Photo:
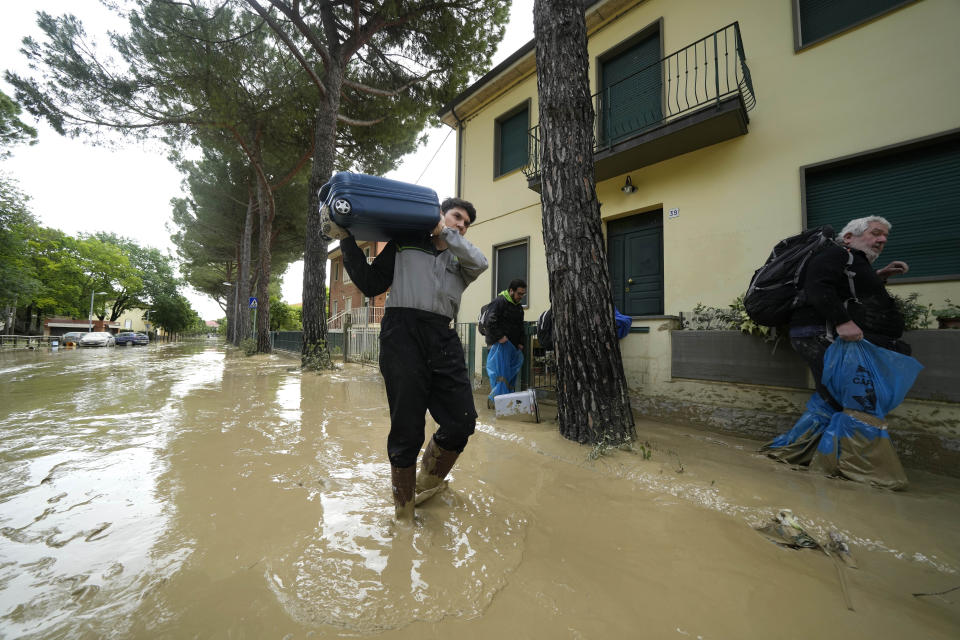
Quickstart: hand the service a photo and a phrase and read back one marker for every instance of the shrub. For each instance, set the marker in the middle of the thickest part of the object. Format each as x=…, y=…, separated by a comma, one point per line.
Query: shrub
x=248, y=346
x=915, y=315
x=734, y=317
x=949, y=311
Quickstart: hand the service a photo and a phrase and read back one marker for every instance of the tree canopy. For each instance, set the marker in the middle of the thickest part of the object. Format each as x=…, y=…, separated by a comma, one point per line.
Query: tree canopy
x=13, y=130
x=266, y=88
x=18, y=278
x=191, y=73
x=381, y=70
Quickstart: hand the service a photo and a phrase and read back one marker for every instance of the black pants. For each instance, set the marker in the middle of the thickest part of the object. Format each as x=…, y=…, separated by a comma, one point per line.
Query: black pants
x=423, y=368
x=811, y=350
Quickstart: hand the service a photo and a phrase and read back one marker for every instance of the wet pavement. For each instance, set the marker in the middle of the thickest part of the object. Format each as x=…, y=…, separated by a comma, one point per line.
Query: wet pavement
x=179, y=491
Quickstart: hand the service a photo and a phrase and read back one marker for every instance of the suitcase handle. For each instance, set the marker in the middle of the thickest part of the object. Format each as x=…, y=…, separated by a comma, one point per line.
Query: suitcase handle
x=324, y=190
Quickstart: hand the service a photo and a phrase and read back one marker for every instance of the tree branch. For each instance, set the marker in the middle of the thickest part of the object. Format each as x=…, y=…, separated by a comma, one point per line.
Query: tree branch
x=293, y=15
x=358, y=123
x=384, y=92
x=291, y=46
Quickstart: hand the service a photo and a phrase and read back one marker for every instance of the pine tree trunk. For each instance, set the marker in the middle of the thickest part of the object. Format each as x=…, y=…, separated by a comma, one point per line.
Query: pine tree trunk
x=592, y=395
x=243, y=321
x=9, y=315
x=265, y=204
x=316, y=350
x=232, y=317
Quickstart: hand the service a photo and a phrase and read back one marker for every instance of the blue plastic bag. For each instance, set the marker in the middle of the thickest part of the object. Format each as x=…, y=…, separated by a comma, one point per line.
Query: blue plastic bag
x=504, y=362
x=622, y=323
x=869, y=382
x=798, y=445
x=868, y=378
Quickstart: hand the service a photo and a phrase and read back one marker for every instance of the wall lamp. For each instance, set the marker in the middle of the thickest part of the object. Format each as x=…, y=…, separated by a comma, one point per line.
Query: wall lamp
x=628, y=187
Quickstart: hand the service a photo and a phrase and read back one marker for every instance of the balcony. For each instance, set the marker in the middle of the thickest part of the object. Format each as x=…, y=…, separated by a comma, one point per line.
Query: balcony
x=691, y=99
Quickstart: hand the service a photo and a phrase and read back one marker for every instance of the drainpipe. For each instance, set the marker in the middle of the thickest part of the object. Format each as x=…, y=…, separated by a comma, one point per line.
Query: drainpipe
x=453, y=111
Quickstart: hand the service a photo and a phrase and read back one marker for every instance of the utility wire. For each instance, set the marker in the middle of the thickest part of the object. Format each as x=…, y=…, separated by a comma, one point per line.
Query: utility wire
x=434, y=156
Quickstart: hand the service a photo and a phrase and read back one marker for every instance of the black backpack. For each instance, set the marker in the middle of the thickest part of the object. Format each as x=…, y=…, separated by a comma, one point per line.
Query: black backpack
x=545, y=329
x=776, y=288
x=484, y=318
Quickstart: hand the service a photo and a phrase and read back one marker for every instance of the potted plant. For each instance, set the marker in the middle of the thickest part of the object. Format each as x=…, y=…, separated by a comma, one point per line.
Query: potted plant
x=949, y=316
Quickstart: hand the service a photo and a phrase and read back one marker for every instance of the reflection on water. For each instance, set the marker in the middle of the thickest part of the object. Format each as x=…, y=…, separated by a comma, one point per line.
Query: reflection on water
x=83, y=435
x=187, y=491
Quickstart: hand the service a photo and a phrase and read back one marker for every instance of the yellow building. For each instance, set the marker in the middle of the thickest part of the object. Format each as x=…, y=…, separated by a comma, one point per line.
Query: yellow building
x=722, y=127
x=135, y=320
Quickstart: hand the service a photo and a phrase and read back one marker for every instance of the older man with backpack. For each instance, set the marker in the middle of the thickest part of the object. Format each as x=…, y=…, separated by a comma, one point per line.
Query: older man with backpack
x=839, y=300
x=847, y=299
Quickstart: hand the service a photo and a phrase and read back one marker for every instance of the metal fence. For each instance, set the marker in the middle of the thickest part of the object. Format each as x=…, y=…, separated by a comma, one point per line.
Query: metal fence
x=361, y=343
x=287, y=340
x=363, y=346
x=353, y=317
x=27, y=342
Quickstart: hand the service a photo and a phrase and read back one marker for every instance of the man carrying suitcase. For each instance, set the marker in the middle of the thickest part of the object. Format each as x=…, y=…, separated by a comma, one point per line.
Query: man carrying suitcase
x=421, y=357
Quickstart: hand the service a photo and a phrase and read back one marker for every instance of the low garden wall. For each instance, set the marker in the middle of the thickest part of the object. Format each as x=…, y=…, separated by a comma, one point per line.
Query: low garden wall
x=734, y=382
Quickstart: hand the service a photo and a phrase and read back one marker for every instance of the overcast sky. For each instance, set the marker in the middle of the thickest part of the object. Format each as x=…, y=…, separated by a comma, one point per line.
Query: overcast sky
x=77, y=187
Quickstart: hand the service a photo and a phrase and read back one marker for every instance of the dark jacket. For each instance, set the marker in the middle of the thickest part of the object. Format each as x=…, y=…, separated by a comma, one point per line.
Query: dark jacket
x=506, y=319
x=829, y=298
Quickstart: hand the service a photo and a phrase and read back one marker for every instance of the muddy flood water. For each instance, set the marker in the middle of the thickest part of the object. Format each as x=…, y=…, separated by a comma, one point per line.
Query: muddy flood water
x=187, y=491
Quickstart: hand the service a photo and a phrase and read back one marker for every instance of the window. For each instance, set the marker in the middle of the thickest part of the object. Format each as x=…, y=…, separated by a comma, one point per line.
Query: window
x=336, y=307
x=510, y=261
x=510, y=140
x=631, y=86
x=336, y=271
x=915, y=185
x=817, y=20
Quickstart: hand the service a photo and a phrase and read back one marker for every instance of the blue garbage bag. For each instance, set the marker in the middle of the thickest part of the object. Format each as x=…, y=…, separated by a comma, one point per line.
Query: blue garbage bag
x=622, y=323
x=869, y=382
x=868, y=378
x=504, y=362
x=798, y=445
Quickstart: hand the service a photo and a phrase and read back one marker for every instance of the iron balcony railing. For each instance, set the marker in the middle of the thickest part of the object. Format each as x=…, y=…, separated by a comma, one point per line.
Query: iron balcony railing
x=356, y=316
x=699, y=75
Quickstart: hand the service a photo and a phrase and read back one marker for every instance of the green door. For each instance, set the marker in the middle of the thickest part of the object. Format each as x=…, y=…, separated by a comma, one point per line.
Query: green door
x=631, y=88
x=635, y=252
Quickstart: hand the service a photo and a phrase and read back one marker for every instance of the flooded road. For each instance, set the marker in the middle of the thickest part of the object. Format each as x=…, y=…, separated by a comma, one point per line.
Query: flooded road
x=181, y=491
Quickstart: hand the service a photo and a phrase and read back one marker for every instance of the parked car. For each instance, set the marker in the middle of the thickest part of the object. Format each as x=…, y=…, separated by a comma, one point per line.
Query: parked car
x=98, y=339
x=132, y=337
x=72, y=337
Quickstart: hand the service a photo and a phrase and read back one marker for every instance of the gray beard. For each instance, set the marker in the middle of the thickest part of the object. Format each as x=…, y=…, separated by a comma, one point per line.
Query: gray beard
x=871, y=255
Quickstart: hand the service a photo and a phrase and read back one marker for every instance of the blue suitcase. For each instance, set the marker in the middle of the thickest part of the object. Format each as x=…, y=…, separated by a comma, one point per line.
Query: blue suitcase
x=374, y=208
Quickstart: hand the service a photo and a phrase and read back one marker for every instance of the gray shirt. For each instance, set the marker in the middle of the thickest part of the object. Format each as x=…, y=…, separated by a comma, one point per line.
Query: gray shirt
x=419, y=276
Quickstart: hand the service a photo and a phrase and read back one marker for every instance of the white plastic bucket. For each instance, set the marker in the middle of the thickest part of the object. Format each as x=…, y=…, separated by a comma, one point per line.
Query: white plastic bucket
x=520, y=403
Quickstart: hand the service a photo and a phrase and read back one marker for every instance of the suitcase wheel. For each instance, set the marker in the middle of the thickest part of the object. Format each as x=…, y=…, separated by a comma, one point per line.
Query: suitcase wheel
x=341, y=206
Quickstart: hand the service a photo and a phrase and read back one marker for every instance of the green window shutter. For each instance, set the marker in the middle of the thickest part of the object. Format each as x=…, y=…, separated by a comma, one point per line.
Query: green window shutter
x=917, y=190
x=630, y=98
x=511, y=263
x=513, y=142
x=822, y=18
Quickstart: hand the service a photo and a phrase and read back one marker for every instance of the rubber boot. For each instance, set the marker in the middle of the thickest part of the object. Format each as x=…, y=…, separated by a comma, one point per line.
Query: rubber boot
x=404, y=481
x=434, y=467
